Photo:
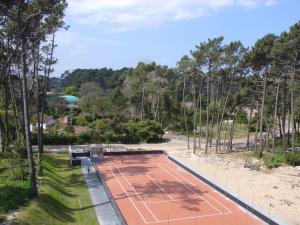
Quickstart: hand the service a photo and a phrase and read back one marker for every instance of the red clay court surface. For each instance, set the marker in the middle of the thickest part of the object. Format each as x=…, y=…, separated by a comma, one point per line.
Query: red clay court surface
x=151, y=189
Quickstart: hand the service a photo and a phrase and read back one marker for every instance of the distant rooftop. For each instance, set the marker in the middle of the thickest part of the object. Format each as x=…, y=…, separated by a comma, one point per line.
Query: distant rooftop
x=70, y=98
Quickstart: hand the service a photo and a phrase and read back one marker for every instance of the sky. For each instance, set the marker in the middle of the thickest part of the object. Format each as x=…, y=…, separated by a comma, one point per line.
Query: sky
x=121, y=33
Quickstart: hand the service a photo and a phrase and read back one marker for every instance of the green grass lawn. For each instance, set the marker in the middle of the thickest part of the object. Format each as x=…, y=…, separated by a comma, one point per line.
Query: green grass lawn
x=63, y=196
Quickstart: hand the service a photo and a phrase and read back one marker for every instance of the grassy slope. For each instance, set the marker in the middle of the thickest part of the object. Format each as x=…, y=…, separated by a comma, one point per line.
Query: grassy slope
x=63, y=199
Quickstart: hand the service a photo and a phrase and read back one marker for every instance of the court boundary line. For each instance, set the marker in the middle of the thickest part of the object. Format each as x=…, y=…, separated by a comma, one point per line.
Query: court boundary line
x=219, y=203
x=190, y=217
x=169, y=201
x=172, y=199
x=152, y=214
x=125, y=192
x=192, y=190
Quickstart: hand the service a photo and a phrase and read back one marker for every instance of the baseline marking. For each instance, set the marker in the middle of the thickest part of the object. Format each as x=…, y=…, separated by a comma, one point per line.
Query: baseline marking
x=139, y=196
x=191, y=189
x=128, y=196
x=205, y=184
x=190, y=217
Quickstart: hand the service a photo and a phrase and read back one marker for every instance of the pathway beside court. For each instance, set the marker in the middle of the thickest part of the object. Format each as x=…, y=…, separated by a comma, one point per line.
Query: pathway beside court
x=102, y=204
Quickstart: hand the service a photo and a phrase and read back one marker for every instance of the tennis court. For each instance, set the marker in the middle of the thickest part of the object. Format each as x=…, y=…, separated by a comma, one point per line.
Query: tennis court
x=150, y=189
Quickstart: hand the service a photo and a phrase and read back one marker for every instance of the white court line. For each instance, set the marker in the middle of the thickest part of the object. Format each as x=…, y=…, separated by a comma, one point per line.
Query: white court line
x=191, y=189
x=205, y=184
x=184, y=171
x=172, y=201
x=139, y=196
x=128, y=196
x=160, y=221
x=170, y=197
x=186, y=218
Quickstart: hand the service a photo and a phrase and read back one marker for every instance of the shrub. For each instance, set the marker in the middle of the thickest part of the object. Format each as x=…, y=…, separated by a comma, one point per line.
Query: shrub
x=81, y=121
x=149, y=131
x=105, y=131
x=273, y=161
x=69, y=129
x=292, y=158
x=241, y=118
x=131, y=129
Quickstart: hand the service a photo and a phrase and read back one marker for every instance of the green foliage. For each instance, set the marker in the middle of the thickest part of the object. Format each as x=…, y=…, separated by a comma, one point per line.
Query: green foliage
x=131, y=129
x=13, y=194
x=69, y=129
x=273, y=161
x=106, y=131
x=71, y=90
x=81, y=120
x=56, y=138
x=149, y=131
x=241, y=118
x=278, y=158
x=292, y=158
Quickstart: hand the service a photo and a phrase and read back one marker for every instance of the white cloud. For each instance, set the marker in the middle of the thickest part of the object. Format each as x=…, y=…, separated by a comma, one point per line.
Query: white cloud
x=78, y=44
x=122, y=15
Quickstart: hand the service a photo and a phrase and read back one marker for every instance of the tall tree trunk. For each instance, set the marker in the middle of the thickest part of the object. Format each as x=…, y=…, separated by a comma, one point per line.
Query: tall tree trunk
x=218, y=142
x=292, y=109
x=207, y=115
x=289, y=125
x=232, y=133
x=195, y=115
x=157, y=105
x=15, y=107
x=256, y=128
x=283, y=119
x=184, y=114
x=249, y=123
x=43, y=99
x=279, y=125
x=275, y=116
x=142, y=106
x=262, y=113
x=38, y=109
x=218, y=122
x=1, y=136
x=213, y=98
x=32, y=175
x=200, y=113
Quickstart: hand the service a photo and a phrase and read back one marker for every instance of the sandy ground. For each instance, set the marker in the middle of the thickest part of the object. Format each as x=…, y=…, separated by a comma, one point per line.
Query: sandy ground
x=275, y=191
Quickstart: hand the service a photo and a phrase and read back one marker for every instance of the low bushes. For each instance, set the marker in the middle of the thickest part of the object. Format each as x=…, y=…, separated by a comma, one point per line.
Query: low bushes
x=292, y=158
x=279, y=158
x=106, y=131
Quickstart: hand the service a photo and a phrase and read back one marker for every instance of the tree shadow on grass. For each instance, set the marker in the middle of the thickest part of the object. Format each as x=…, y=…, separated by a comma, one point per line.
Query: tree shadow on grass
x=59, y=188
x=12, y=197
x=55, y=208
